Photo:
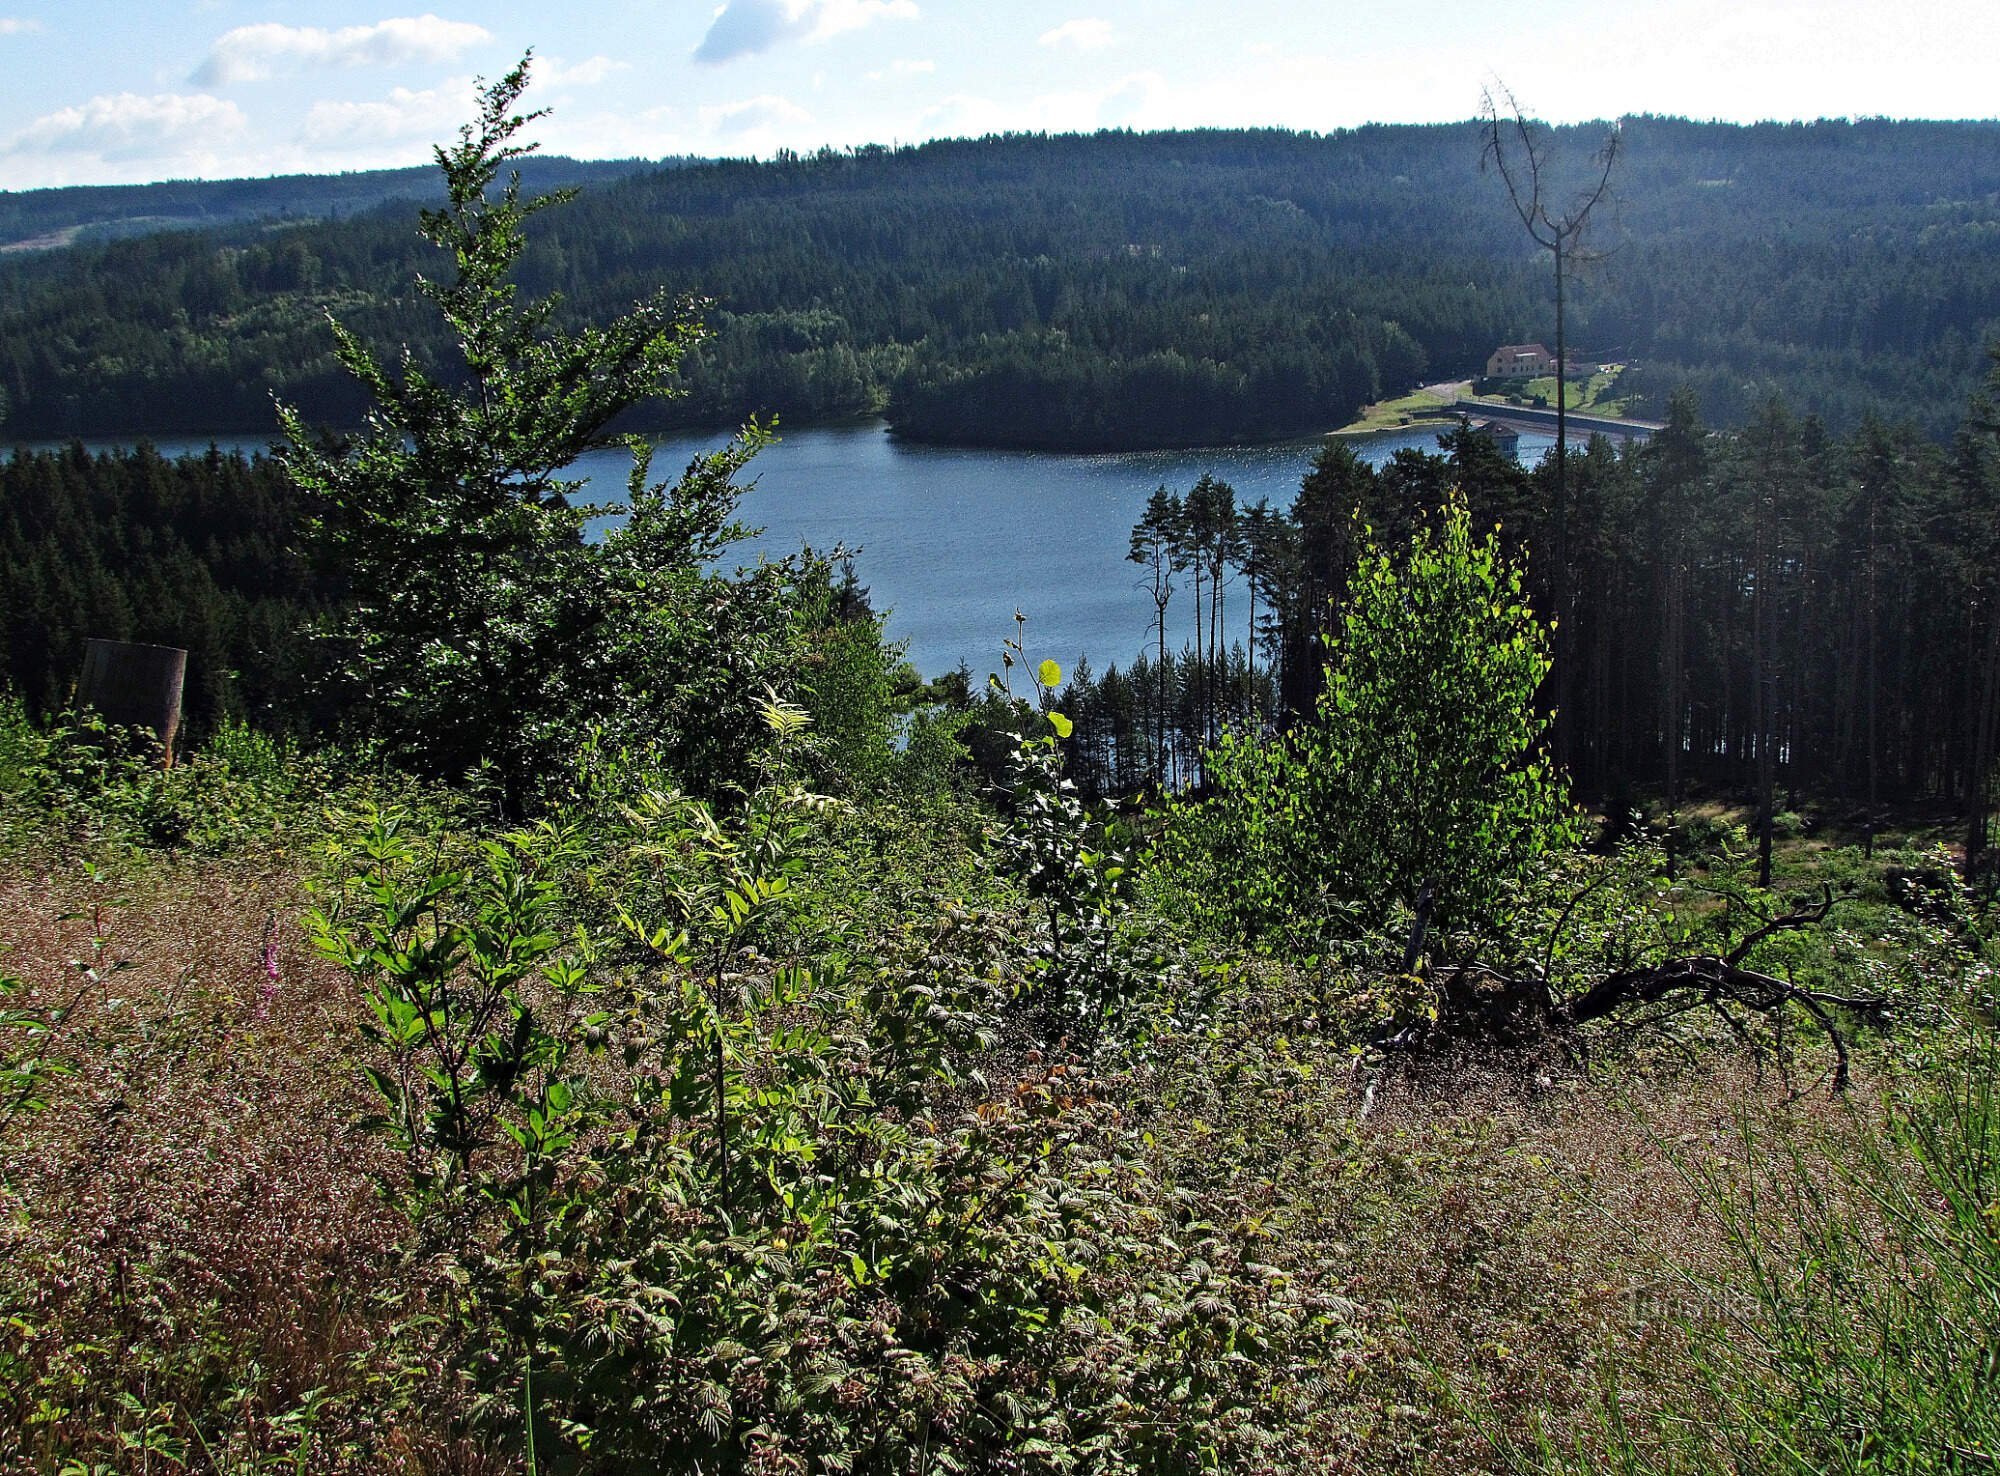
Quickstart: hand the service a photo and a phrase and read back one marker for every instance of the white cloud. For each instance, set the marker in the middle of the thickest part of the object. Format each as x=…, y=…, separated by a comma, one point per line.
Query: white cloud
x=832, y=17
x=1137, y=100
x=745, y=27
x=764, y=114
x=122, y=126
x=556, y=72
x=1086, y=33
x=904, y=67
x=618, y=134
x=249, y=53
x=434, y=113
x=14, y=26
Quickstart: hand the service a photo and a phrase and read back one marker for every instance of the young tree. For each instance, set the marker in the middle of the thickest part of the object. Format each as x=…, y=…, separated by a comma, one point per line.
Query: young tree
x=1418, y=772
x=486, y=630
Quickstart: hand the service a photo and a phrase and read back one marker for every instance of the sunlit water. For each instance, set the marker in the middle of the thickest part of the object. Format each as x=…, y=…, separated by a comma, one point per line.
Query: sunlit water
x=951, y=542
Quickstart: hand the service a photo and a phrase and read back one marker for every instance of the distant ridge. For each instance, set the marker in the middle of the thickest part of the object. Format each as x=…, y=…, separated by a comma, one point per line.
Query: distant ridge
x=1114, y=291
x=51, y=219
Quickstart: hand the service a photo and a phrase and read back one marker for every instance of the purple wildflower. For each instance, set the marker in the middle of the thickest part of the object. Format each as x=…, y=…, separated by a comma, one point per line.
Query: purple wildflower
x=267, y=987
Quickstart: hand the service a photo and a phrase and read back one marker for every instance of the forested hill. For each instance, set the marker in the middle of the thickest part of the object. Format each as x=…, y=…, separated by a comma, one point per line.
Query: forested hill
x=1109, y=290
x=47, y=220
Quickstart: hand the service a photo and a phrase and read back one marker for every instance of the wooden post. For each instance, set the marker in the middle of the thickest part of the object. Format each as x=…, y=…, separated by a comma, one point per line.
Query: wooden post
x=135, y=686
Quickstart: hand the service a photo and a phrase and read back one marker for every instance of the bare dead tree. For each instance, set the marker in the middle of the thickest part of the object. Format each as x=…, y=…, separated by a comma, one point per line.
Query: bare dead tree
x=1521, y=155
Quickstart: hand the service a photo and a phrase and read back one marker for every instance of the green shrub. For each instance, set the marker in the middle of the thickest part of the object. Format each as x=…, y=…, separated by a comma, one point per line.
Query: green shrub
x=1417, y=772
x=852, y=683
x=79, y=782
x=732, y=1185
x=1701, y=836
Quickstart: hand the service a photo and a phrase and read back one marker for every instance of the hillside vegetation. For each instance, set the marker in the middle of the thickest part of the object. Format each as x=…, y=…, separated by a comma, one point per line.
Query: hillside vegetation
x=49, y=219
x=1111, y=290
x=642, y=1032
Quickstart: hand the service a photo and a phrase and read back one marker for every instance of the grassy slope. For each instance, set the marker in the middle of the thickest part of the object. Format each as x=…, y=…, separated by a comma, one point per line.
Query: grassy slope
x=1592, y=396
x=203, y=1252
x=1419, y=407
x=195, y=1266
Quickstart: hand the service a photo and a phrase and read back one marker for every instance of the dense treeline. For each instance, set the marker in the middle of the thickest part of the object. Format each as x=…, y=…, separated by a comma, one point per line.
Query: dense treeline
x=1774, y=611
x=1873, y=650
x=1115, y=290
x=198, y=552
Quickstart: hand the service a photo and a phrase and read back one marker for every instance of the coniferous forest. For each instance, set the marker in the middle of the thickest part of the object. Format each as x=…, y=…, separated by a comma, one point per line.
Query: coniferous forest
x=1827, y=601
x=1515, y=992
x=203, y=553
x=1774, y=593
x=1116, y=290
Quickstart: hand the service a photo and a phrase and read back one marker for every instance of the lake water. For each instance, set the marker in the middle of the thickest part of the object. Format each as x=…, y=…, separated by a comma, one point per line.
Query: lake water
x=951, y=542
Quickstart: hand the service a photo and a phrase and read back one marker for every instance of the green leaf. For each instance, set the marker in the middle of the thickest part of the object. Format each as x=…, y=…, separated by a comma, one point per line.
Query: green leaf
x=1049, y=674
x=1063, y=726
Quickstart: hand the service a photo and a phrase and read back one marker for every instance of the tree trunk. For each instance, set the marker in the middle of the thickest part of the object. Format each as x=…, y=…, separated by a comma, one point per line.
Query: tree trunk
x=1874, y=750
x=135, y=686
x=1162, y=771
x=1559, y=589
x=1760, y=689
x=1986, y=718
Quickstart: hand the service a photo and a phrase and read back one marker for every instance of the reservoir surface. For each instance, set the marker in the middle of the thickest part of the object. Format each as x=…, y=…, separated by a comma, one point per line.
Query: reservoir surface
x=951, y=541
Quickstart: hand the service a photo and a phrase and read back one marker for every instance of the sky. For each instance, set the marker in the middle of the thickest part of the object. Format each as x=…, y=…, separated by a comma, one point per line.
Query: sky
x=123, y=91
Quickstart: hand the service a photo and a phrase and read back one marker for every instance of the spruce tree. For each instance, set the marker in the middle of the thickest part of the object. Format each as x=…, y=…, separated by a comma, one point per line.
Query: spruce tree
x=486, y=631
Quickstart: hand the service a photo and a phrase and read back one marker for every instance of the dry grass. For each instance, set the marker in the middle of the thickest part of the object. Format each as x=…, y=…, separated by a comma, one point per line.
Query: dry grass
x=197, y=1246
x=197, y=1258
x=1511, y=1250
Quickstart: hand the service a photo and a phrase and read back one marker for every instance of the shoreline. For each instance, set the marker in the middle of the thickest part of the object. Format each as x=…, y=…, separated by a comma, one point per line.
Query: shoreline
x=1439, y=417
x=1358, y=429
x=262, y=440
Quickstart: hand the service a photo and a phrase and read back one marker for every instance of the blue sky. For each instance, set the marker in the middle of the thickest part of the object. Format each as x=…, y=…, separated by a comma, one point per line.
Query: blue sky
x=110, y=91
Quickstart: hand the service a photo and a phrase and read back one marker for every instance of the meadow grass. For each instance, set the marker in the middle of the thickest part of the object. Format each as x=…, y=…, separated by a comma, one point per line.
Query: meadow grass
x=1679, y=1256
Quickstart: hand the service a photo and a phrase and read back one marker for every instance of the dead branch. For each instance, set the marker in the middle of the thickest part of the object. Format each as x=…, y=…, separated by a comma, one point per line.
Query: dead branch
x=1801, y=917
x=1481, y=1009
x=1512, y=148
